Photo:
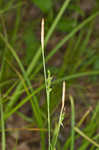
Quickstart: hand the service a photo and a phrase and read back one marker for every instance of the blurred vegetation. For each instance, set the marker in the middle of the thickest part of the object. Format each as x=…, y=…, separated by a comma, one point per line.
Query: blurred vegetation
x=71, y=53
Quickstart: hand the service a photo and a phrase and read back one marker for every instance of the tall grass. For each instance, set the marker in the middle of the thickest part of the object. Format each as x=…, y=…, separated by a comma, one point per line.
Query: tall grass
x=73, y=67
x=47, y=81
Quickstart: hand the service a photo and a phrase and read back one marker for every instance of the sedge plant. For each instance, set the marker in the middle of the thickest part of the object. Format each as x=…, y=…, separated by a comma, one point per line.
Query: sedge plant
x=23, y=83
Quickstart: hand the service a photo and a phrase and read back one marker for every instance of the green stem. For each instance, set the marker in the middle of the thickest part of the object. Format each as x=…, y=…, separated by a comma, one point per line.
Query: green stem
x=3, y=127
x=72, y=123
x=46, y=83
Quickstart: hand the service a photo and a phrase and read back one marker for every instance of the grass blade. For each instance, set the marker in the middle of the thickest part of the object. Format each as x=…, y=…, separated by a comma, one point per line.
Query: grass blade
x=2, y=127
x=86, y=137
x=47, y=82
x=72, y=123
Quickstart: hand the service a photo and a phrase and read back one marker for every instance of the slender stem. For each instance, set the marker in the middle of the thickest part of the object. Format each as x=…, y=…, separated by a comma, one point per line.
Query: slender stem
x=2, y=127
x=61, y=117
x=45, y=76
x=1, y=77
x=72, y=123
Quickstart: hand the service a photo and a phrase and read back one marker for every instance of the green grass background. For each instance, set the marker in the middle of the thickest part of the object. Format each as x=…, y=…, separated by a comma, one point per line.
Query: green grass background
x=20, y=67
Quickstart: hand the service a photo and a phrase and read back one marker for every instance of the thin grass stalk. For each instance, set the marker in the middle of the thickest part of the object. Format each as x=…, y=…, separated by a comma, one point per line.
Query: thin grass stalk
x=72, y=123
x=2, y=127
x=61, y=117
x=1, y=77
x=46, y=83
x=84, y=117
x=16, y=26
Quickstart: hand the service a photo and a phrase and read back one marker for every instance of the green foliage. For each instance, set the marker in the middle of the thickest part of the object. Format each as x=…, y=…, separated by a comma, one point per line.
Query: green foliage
x=44, y=6
x=96, y=64
x=77, y=9
x=79, y=59
x=66, y=24
x=31, y=44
